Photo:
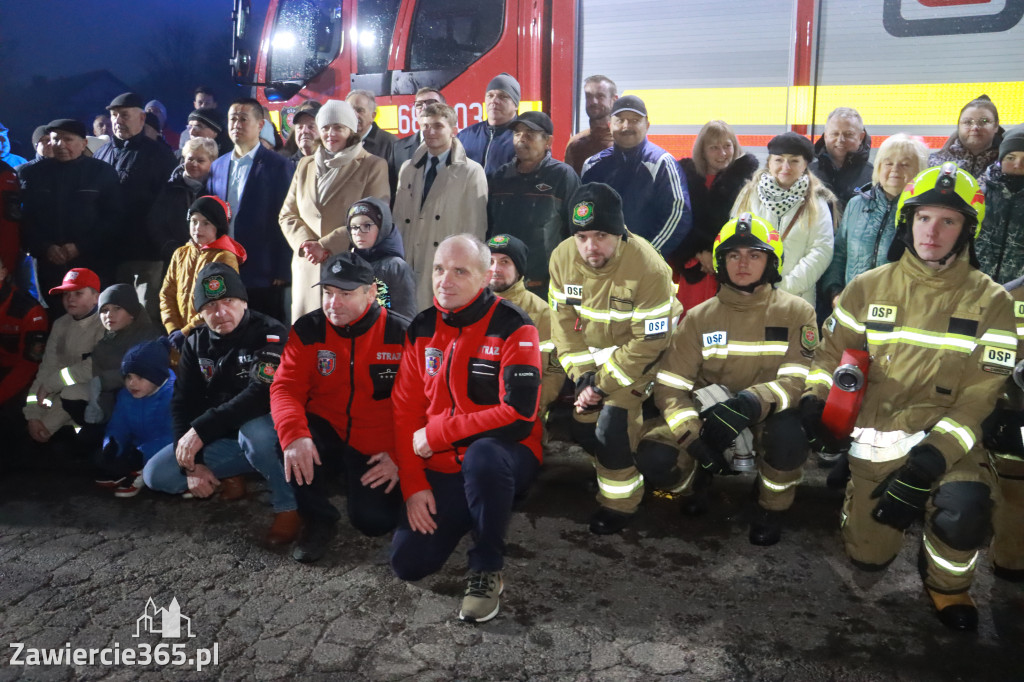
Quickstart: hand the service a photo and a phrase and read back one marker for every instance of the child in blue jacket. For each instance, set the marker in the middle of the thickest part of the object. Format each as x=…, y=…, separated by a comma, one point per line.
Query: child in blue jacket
x=140, y=425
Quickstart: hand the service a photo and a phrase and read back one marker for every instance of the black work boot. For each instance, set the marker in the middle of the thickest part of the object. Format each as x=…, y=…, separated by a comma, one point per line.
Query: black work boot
x=697, y=502
x=608, y=521
x=313, y=541
x=765, y=527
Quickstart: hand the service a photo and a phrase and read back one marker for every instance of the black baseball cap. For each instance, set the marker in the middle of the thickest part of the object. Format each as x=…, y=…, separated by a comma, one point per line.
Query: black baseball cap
x=345, y=271
x=535, y=120
x=629, y=103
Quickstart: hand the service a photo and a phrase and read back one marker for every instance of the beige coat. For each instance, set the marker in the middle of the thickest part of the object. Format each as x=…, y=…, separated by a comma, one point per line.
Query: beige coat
x=304, y=218
x=457, y=203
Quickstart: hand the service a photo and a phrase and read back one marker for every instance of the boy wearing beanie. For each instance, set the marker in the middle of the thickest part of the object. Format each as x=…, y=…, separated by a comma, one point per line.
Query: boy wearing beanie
x=1000, y=244
x=141, y=422
x=209, y=242
x=126, y=324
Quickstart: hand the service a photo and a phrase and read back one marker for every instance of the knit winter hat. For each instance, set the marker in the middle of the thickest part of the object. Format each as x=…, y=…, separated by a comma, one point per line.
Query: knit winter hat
x=513, y=247
x=596, y=206
x=216, y=281
x=364, y=207
x=792, y=143
x=213, y=209
x=149, y=359
x=37, y=134
x=506, y=84
x=337, y=111
x=157, y=107
x=1012, y=142
x=211, y=118
x=122, y=295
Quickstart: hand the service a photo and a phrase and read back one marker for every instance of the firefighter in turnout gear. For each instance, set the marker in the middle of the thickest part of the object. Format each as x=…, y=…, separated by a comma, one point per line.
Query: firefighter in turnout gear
x=613, y=309
x=752, y=344
x=1004, y=438
x=940, y=336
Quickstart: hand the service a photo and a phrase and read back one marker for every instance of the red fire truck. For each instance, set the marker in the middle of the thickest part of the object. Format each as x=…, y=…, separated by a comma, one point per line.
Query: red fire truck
x=763, y=66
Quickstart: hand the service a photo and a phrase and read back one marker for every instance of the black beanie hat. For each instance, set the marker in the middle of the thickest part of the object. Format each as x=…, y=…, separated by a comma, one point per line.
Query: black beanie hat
x=216, y=281
x=213, y=209
x=149, y=359
x=366, y=208
x=1012, y=142
x=122, y=295
x=512, y=247
x=792, y=143
x=38, y=133
x=596, y=206
x=211, y=118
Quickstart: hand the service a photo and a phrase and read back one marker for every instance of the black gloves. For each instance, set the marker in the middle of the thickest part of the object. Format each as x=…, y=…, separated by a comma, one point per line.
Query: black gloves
x=818, y=436
x=709, y=459
x=905, y=492
x=724, y=421
x=1001, y=432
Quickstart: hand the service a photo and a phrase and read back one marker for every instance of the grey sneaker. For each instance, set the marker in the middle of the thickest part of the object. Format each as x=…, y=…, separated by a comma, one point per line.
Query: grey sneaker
x=480, y=603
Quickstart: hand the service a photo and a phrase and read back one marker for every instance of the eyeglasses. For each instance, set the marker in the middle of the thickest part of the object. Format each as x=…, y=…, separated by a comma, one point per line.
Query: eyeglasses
x=362, y=229
x=976, y=123
x=420, y=104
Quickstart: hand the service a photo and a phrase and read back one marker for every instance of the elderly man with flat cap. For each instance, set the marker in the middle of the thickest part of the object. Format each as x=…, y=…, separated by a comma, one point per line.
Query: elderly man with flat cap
x=655, y=199
x=527, y=197
x=331, y=403
x=71, y=209
x=143, y=166
x=489, y=142
x=221, y=404
x=305, y=136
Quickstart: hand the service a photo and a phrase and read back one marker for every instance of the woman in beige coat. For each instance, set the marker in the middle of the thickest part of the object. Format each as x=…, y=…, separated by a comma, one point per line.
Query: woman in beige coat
x=314, y=216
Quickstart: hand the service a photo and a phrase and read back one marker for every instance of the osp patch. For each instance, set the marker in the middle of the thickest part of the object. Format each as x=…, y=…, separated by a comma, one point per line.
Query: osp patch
x=583, y=213
x=326, y=360
x=214, y=287
x=432, y=360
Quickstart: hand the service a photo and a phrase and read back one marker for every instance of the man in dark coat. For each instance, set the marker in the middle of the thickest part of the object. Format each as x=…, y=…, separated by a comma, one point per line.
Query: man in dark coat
x=375, y=140
x=143, y=166
x=842, y=154
x=71, y=209
x=489, y=142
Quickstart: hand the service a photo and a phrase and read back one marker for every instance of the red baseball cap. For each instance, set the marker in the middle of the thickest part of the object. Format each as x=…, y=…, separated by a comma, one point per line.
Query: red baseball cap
x=78, y=278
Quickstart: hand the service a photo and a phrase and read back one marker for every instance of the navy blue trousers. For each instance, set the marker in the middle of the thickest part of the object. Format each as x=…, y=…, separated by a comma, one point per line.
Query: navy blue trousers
x=476, y=500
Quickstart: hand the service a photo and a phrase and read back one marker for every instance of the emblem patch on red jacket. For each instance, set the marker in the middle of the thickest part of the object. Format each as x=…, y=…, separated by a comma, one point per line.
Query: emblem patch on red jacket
x=325, y=362
x=432, y=360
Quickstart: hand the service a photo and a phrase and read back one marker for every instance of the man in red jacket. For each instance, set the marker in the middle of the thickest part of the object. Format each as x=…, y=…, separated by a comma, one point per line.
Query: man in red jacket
x=331, y=403
x=466, y=429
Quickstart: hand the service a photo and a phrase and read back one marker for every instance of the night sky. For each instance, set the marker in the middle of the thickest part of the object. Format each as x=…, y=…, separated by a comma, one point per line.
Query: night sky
x=66, y=37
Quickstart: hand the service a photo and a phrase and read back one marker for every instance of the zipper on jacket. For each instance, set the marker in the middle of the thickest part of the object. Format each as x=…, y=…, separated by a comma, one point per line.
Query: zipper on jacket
x=351, y=387
x=448, y=373
x=878, y=237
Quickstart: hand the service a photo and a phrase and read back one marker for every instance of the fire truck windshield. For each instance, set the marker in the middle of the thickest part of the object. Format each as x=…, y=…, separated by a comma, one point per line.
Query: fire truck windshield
x=307, y=36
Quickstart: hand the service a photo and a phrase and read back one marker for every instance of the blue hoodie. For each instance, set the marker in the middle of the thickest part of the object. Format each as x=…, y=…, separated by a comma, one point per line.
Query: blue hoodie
x=143, y=423
x=6, y=156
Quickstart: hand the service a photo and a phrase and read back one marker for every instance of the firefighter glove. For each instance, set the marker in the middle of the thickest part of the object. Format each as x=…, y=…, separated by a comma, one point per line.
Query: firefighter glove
x=904, y=493
x=710, y=459
x=1001, y=432
x=725, y=420
x=818, y=435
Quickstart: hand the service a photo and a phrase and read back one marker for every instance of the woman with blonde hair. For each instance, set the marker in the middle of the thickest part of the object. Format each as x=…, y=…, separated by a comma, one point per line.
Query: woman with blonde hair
x=715, y=174
x=869, y=225
x=797, y=205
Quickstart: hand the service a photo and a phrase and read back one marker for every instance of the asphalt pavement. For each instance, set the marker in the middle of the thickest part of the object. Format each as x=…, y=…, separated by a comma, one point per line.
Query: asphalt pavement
x=671, y=598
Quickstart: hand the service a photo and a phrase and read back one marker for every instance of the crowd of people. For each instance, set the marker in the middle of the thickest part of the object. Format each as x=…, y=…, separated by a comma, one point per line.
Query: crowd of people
x=186, y=312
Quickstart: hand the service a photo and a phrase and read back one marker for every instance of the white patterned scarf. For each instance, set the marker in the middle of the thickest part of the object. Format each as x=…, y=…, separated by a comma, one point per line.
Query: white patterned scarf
x=780, y=201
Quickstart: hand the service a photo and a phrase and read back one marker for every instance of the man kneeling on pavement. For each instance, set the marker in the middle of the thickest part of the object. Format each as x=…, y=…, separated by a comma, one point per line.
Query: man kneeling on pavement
x=467, y=435
x=331, y=403
x=221, y=404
